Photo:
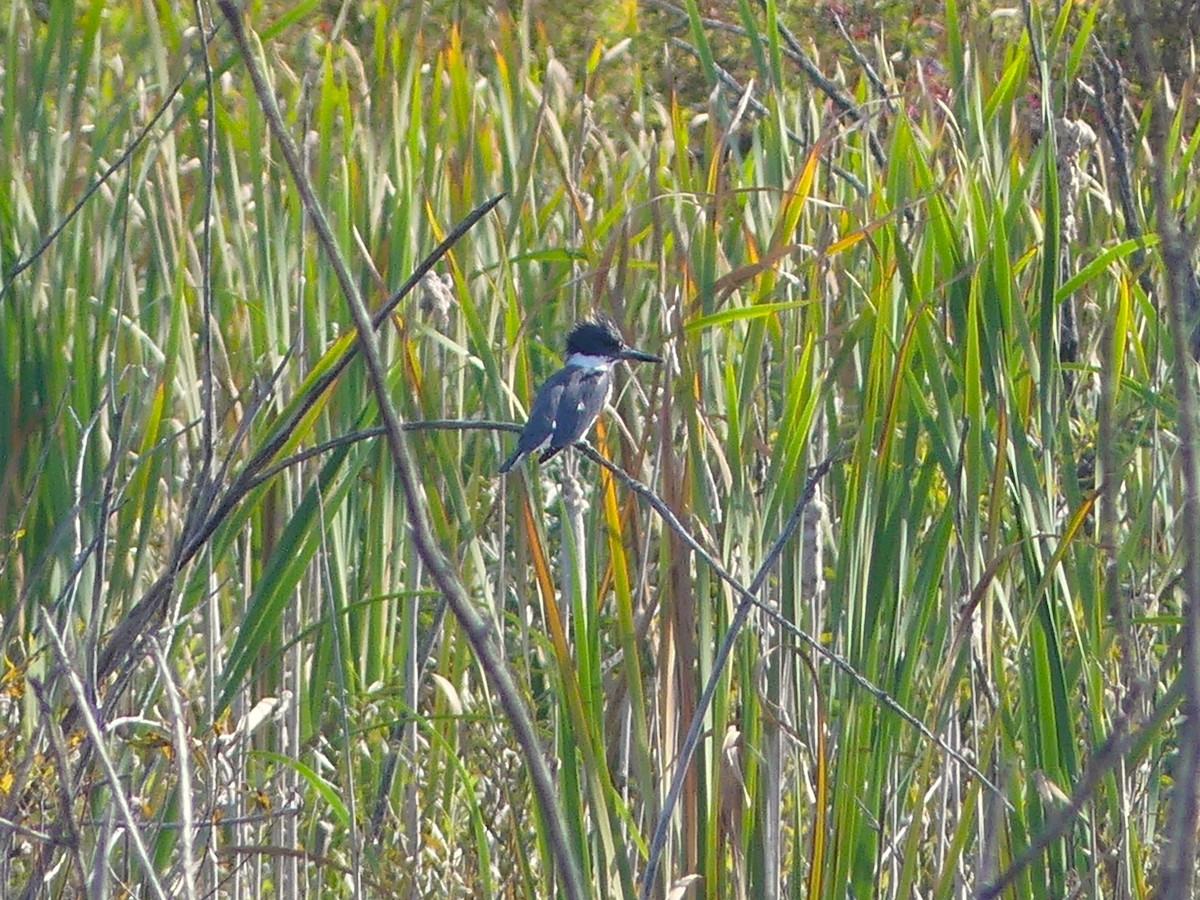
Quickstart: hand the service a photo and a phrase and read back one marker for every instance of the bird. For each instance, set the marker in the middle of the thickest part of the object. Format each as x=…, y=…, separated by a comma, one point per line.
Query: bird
x=571, y=399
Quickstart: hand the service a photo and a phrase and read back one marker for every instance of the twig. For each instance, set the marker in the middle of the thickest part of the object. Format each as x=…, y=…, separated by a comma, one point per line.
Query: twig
x=235, y=850
x=354, y=437
x=731, y=83
x=1109, y=101
x=208, y=412
x=21, y=265
x=1114, y=749
x=83, y=705
x=183, y=758
x=796, y=54
x=68, y=823
x=749, y=595
x=868, y=69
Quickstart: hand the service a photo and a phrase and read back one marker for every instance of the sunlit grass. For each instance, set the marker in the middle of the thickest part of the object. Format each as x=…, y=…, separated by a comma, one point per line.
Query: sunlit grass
x=992, y=553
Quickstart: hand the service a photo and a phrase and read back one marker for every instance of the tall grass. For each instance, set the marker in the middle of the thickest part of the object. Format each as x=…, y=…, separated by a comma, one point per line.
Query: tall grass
x=981, y=606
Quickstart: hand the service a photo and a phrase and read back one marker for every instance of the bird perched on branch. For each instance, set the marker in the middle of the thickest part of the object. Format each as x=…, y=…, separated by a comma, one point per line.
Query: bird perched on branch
x=571, y=399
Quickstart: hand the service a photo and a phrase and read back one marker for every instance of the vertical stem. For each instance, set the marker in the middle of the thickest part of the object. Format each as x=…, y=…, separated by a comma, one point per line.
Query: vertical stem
x=1176, y=869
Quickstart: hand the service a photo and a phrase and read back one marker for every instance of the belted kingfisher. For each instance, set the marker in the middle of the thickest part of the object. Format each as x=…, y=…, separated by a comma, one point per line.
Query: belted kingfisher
x=571, y=399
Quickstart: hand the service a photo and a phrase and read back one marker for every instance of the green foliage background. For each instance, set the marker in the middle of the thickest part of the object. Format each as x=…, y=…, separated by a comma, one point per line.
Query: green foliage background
x=993, y=554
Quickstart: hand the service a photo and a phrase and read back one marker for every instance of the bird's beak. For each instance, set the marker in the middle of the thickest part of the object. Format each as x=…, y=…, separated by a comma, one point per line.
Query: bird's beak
x=639, y=356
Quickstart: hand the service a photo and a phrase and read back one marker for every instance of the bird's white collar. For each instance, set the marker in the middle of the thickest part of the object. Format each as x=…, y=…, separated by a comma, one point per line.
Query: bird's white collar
x=587, y=361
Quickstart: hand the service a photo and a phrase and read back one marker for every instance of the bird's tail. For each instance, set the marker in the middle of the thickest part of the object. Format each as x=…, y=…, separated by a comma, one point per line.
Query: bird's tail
x=517, y=456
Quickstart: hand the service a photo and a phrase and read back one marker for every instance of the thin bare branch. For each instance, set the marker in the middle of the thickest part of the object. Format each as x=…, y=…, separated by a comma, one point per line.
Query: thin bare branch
x=112, y=169
x=116, y=790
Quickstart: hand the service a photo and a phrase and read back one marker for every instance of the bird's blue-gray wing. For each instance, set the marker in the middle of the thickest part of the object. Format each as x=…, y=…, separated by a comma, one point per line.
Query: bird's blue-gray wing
x=583, y=397
x=543, y=417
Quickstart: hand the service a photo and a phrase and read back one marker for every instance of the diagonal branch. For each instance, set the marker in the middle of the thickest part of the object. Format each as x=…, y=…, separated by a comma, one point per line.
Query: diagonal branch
x=1117, y=747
